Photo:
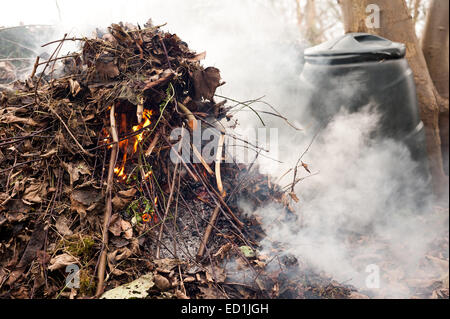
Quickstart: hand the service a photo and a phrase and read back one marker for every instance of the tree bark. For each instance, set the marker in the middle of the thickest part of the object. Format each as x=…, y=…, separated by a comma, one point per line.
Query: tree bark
x=435, y=50
x=397, y=25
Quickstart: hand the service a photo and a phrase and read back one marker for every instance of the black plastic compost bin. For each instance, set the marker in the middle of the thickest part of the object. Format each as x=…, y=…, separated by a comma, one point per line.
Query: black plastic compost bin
x=357, y=70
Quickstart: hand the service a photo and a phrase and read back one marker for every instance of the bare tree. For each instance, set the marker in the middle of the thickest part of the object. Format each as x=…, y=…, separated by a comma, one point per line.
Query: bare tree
x=307, y=21
x=317, y=19
x=397, y=25
x=435, y=49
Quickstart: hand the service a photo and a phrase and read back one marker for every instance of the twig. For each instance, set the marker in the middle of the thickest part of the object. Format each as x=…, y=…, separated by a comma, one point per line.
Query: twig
x=70, y=133
x=217, y=167
x=36, y=64
x=20, y=164
x=165, y=52
x=202, y=160
x=195, y=178
x=62, y=40
x=36, y=98
x=191, y=118
x=175, y=171
x=108, y=209
x=294, y=180
x=215, y=214
x=149, y=151
x=227, y=209
x=60, y=58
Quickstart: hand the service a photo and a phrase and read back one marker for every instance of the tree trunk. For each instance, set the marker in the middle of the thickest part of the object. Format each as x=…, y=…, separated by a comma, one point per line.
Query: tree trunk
x=397, y=25
x=308, y=23
x=435, y=50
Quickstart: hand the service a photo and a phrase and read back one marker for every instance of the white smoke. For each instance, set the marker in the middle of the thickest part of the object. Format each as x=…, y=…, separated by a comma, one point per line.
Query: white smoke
x=363, y=187
x=366, y=191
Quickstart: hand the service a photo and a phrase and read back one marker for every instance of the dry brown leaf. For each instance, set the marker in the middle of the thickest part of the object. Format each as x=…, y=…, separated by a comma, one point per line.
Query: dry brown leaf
x=180, y=295
x=9, y=119
x=305, y=166
x=206, y=82
x=115, y=225
x=222, y=252
x=161, y=282
x=167, y=264
x=259, y=263
x=75, y=170
x=210, y=293
x=35, y=193
x=127, y=229
x=86, y=196
x=34, y=245
x=123, y=198
x=198, y=57
x=216, y=274
x=294, y=197
x=62, y=227
x=62, y=261
x=119, y=254
x=124, y=252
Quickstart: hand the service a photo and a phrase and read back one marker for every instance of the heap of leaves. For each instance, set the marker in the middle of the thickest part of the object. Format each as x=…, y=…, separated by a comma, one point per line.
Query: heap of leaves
x=54, y=147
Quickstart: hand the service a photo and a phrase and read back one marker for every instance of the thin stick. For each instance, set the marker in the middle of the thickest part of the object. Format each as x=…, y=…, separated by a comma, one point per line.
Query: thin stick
x=172, y=187
x=62, y=40
x=195, y=178
x=217, y=167
x=294, y=180
x=36, y=64
x=36, y=98
x=108, y=208
x=209, y=228
x=60, y=58
x=165, y=52
x=70, y=133
x=215, y=214
x=191, y=118
x=202, y=160
x=149, y=151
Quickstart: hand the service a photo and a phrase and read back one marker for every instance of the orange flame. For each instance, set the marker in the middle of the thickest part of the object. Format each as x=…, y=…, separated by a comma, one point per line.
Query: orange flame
x=147, y=174
x=123, y=145
x=146, y=122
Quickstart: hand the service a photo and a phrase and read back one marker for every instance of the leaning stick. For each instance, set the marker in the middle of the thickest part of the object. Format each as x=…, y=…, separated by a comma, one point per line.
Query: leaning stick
x=149, y=151
x=36, y=64
x=202, y=160
x=192, y=121
x=215, y=214
x=108, y=208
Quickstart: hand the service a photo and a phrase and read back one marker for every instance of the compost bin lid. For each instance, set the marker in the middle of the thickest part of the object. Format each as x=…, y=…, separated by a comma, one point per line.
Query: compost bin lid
x=355, y=47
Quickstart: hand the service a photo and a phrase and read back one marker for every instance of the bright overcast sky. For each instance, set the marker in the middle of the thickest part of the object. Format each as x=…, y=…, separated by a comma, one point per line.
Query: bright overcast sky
x=82, y=13
x=73, y=12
